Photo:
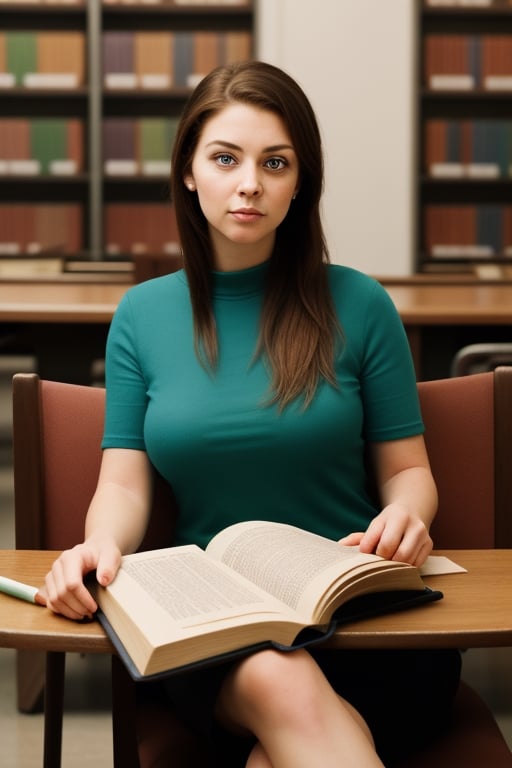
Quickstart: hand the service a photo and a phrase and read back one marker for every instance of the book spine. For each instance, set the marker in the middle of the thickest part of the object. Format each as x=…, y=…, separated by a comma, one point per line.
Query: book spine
x=183, y=50
x=490, y=228
x=48, y=142
x=507, y=230
x=21, y=55
x=3, y=54
x=237, y=46
x=206, y=53
x=119, y=146
x=154, y=149
x=153, y=59
x=61, y=55
x=75, y=144
x=119, y=59
x=14, y=144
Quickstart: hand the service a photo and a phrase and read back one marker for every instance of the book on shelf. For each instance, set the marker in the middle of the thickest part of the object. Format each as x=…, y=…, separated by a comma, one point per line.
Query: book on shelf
x=133, y=146
x=46, y=146
x=451, y=62
x=161, y=60
x=257, y=584
x=155, y=141
x=497, y=62
x=53, y=228
x=474, y=149
x=153, y=59
x=467, y=231
x=51, y=60
x=140, y=228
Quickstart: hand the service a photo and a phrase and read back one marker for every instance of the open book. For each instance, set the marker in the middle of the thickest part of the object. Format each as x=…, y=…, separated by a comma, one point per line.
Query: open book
x=256, y=584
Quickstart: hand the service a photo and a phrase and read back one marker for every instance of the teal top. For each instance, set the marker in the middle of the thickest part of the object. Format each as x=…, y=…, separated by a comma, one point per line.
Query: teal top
x=227, y=454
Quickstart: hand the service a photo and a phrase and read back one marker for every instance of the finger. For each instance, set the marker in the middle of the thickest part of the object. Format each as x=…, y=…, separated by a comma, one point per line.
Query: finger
x=414, y=547
x=108, y=566
x=352, y=540
x=372, y=538
x=66, y=592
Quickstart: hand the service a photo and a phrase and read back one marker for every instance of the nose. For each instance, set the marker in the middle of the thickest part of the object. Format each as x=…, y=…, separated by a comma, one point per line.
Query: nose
x=249, y=184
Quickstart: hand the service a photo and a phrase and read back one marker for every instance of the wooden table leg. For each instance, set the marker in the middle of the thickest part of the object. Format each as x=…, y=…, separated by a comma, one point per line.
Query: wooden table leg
x=53, y=708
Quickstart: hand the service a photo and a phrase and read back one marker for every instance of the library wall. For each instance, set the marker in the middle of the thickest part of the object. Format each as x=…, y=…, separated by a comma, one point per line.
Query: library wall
x=356, y=60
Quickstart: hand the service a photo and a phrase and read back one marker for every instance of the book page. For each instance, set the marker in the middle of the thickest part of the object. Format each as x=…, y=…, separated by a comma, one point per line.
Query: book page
x=295, y=566
x=189, y=587
x=439, y=565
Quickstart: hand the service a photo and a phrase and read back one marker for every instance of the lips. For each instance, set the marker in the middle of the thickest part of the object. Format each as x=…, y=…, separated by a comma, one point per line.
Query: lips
x=246, y=214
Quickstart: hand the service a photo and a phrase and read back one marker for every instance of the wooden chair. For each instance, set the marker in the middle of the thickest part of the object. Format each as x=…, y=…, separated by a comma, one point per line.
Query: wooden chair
x=57, y=431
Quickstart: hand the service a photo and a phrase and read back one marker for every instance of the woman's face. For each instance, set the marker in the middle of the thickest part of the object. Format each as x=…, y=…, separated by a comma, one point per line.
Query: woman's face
x=245, y=172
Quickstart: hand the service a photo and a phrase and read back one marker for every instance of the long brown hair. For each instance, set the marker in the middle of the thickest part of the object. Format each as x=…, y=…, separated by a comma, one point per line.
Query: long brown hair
x=299, y=329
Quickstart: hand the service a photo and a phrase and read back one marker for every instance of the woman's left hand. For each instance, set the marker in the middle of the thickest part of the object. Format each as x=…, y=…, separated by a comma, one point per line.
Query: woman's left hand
x=394, y=534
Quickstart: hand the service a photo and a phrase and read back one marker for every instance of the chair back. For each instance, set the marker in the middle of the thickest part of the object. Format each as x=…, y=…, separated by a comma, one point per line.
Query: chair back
x=57, y=432
x=468, y=434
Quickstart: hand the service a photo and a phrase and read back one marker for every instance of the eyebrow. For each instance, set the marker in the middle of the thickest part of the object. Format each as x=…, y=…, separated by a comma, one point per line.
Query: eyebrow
x=229, y=145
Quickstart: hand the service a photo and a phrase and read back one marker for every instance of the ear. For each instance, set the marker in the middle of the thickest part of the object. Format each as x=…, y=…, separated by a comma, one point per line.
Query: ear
x=189, y=182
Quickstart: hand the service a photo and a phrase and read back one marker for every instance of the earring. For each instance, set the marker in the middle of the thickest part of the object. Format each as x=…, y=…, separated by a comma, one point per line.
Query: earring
x=191, y=186
x=294, y=196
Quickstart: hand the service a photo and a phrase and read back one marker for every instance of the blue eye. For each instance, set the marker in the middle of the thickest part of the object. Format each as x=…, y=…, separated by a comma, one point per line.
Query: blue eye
x=275, y=163
x=225, y=159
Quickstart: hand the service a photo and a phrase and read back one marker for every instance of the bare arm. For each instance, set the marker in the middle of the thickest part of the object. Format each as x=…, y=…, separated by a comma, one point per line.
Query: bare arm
x=116, y=522
x=409, y=502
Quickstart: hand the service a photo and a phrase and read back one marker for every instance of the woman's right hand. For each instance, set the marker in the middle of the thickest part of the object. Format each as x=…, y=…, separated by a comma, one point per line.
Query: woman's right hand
x=64, y=590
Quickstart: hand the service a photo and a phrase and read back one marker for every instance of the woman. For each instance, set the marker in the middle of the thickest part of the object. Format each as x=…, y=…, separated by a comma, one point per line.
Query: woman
x=261, y=382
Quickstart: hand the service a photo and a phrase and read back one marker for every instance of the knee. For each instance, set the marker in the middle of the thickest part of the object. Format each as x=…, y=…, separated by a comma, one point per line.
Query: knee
x=280, y=686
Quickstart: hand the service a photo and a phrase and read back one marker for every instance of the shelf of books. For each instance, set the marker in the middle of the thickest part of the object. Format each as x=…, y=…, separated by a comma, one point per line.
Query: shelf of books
x=465, y=136
x=90, y=95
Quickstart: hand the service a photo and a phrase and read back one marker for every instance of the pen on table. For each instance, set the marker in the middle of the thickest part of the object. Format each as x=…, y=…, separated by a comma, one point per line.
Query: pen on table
x=20, y=590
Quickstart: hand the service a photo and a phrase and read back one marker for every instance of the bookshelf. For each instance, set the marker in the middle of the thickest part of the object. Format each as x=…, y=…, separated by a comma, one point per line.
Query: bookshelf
x=464, y=219
x=86, y=136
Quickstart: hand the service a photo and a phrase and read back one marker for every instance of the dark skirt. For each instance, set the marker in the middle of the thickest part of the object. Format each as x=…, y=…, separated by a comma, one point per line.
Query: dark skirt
x=405, y=697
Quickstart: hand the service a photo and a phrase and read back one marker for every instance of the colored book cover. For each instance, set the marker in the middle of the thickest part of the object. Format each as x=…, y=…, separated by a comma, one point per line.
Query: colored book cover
x=507, y=230
x=119, y=140
x=206, y=53
x=21, y=54
x=62, y=53
x=58, y=228
x=434, y=144
x=14, y=140
x=3, y=53
x=237, y=46
x=118, y=52
x=183, y=58
x=48, y=142
x=453, y=141
x=153, y=59
x=490, y=228
x=75, y=144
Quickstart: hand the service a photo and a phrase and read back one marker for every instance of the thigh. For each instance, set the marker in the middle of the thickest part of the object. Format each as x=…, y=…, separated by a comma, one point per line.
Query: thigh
x=193, y=695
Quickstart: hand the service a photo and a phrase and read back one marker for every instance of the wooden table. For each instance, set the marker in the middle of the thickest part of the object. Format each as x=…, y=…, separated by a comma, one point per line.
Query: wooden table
x=476, y=612
x=64, y=324
x=66, y=321
x=58, y=301
x=425, y=306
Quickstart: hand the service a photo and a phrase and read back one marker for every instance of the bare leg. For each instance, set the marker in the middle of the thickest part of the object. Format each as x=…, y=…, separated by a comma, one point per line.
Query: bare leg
x=258, y=758
x=299, y=721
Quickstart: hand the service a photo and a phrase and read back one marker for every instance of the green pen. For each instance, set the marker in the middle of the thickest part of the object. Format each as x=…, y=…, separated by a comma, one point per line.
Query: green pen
x=20, y=590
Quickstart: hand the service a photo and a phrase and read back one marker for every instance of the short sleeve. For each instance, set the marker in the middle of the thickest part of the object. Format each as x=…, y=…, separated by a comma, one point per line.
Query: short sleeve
x=126, y=400
x=388, y=380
